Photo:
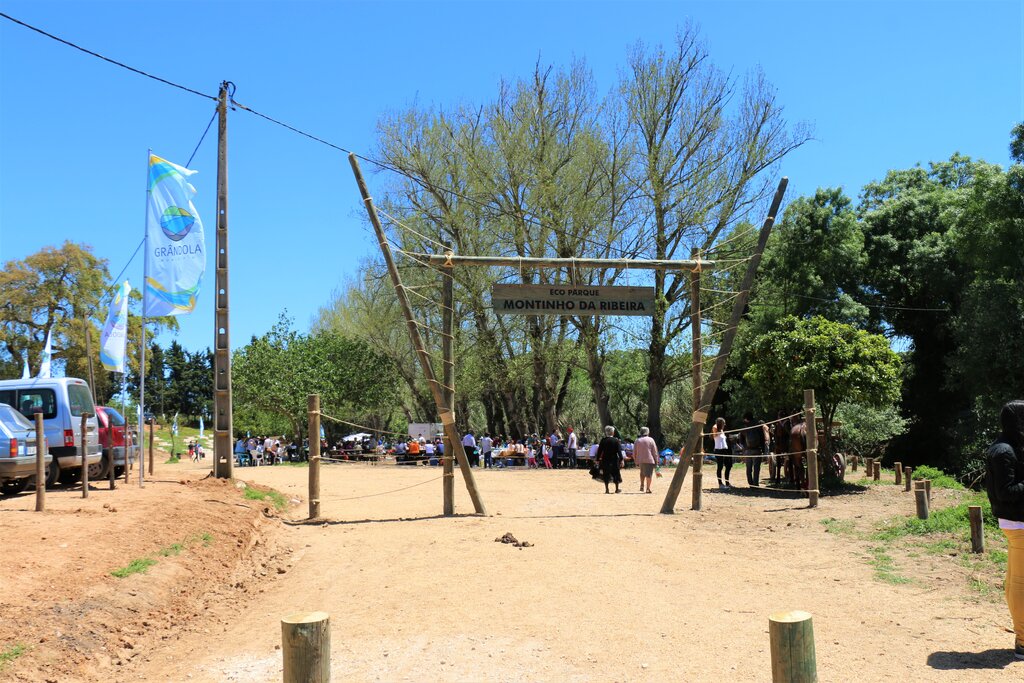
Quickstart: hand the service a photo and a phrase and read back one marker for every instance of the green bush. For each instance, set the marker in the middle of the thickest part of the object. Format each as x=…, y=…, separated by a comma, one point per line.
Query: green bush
x=939, y=479
x=953, y=520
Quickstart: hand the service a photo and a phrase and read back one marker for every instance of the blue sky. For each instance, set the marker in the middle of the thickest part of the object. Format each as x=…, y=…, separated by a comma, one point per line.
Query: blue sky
x=885, y=85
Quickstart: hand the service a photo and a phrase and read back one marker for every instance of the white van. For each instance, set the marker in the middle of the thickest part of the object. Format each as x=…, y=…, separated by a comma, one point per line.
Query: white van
x=63, y=401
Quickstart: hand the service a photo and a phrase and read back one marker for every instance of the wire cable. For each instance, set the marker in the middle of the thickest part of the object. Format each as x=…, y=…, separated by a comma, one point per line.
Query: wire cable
x=106, y=59
x=203, y=137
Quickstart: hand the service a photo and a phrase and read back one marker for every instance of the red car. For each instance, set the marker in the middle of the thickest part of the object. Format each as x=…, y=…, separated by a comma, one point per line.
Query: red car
x=112, y=440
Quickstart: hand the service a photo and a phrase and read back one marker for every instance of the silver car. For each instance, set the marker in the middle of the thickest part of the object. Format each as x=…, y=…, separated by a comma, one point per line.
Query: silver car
x=17, y=451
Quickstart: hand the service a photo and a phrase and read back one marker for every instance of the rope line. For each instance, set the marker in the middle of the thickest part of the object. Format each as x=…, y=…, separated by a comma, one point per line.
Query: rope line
x=384, y=493
x=363, y=427
x=743, y=429
x=106, y=59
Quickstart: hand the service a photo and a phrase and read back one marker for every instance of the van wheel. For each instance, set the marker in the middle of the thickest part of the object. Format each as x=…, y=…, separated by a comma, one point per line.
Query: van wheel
x=13, y=487
x=118, y=471
x=98, y=472
x=52, y=474
x=70, y=477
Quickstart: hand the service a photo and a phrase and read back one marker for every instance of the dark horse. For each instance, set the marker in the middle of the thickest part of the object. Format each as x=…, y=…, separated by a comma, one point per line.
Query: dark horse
x=797, y=448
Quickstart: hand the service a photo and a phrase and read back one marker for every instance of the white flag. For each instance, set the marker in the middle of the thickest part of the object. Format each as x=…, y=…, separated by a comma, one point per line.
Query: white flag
x=24, y=372
x=201, y=427
x=175, y=241
x=44, y=364
x=174, y=426
x=114, y=338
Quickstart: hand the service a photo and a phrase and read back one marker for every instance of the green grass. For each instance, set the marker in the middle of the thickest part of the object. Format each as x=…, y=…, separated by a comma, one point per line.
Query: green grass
x=10, y=654
x=838, y=526
x=206, y=538
x=885, y=567
x=279, y=501
x=289, y=463
x=172, y=549
x=954, y=520
x=940, y=480
x=139, y=566
x=172, y=460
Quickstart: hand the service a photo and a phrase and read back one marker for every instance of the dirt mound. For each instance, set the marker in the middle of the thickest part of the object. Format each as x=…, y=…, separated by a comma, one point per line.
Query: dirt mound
x=92, y=584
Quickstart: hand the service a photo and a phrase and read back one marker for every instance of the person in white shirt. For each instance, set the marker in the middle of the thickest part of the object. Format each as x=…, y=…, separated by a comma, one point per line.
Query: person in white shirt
x=571, y=447
x=469, y=445
x=486, y=446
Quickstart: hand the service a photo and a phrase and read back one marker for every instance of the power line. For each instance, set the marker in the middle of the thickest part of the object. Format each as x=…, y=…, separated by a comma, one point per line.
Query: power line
x=106, y=59
x=203, y=137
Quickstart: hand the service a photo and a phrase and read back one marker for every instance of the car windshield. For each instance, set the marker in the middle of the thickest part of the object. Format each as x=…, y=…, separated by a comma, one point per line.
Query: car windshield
x=115, y=417
x=13, y=418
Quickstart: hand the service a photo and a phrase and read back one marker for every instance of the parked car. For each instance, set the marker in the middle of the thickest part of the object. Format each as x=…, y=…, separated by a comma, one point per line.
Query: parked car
x=113, y=441
x=63, y=401
x=17, y=451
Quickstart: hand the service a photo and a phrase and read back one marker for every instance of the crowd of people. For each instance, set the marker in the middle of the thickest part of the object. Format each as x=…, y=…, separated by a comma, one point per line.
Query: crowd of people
x=264, y=450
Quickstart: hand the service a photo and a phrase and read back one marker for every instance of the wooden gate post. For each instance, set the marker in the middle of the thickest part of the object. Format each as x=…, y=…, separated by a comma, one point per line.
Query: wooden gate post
x=812, y=449
x=41, y=464
x=306, y=646
x=313, y=409
x=792, y=646
x=85, y=457
x=977, y=529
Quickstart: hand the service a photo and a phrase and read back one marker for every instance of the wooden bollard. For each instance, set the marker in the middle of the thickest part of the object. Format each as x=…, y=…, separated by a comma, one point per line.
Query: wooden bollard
x=85, y=451
x=41, y=464
x=869, y=467
x=921, y=497
x=977, y=529
x=877, y=475
x=853, y=462
x=908, y=471
x=899, y=473
x=306, y=647
x=792, y=646
x=928, y=489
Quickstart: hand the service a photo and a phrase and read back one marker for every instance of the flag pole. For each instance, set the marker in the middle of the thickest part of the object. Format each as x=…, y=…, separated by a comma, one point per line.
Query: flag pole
x=142, y=325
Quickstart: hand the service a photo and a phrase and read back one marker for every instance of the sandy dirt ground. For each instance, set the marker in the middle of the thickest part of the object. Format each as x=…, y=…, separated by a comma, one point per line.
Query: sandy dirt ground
x=610, y=590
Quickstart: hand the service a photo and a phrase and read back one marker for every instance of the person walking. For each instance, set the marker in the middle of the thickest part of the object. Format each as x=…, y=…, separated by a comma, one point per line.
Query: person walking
x=469, y=445
x=645, y=455
x=1004, y=483
x=571, y=447
x=609, y=455
x=723, y=456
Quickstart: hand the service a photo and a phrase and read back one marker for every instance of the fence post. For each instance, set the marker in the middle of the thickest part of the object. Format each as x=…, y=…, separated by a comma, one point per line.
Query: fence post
x=899, y=472
x=812, y=448
x=908, y=472
x=977, y=529
x=877, y=475
x=85, y=455
x=792, y=647
x=41, y=464
x=313, y=407
x=306, y=645
x=921, y=497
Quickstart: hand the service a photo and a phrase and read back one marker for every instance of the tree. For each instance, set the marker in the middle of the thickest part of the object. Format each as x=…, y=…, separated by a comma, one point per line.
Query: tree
x=839, y=362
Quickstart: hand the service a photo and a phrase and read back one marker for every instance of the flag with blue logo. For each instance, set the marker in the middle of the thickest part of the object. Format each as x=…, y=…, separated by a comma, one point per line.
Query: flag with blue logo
x=175, y=241
x=174, y=425
x=114, y=338
x=202, y=427
x=44, y=364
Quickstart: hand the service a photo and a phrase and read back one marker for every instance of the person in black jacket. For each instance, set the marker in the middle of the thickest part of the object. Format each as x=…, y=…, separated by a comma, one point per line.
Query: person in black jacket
x=609, y=454
x=1005, y=484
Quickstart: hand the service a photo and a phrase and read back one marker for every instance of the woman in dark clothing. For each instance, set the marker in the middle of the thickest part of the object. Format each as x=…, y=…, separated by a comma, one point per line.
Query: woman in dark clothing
x=609, y=455
x=1005, y=484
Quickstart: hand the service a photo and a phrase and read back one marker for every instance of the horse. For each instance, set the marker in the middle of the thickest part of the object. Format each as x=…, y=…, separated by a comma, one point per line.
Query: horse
x=797, y=449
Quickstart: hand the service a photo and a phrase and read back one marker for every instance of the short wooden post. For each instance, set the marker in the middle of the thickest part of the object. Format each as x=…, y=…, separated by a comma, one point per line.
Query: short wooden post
x=908, y=472
x=313, y=407
x=41, y=464
x=306, y=646
x=928, y=489
x=977, y=529
x=853, y=462
x=792, y=647
x=878, y=471
x=85, y=451
x=899, y=473
x=869, y=467
x=812, y=448
x=921, y=497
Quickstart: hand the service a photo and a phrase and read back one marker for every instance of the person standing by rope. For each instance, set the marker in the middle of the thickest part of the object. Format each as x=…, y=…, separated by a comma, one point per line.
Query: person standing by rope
x=1004, y=483
x=723, y=456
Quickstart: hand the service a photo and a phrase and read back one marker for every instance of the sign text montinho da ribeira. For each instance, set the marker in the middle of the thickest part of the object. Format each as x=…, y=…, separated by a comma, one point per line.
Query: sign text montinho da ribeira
x=571, y=300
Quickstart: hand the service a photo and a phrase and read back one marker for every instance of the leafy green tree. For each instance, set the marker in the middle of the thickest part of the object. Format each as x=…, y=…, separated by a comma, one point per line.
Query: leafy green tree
x=841, y=363
x=866, y=429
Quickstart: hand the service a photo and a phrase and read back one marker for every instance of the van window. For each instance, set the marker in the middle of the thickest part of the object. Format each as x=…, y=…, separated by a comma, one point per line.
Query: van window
x=79, y=400
x=114, y=417
x=31, y=400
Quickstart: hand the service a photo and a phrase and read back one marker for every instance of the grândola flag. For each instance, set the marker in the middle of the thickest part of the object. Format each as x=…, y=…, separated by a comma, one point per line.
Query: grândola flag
x=114, y=338
x=175, y=242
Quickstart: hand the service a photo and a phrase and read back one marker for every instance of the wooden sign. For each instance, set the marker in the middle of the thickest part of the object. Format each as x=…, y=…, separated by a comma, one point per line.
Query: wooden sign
x=571, y=300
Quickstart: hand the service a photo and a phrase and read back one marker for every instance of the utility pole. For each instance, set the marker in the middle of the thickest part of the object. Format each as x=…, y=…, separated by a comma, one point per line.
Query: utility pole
x=448, y=375
x=223, y=465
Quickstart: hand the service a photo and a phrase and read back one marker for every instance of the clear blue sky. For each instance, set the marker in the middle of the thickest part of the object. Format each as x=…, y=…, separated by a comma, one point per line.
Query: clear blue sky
x=885, y=85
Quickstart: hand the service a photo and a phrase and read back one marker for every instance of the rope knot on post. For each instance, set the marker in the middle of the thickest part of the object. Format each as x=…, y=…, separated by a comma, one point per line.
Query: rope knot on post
x=448, y=259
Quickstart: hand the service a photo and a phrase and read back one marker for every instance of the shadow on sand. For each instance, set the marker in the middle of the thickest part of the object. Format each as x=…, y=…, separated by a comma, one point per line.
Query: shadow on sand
x=959, y=661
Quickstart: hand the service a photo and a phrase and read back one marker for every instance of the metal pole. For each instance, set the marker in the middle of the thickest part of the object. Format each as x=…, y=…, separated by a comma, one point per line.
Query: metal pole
x=700, y=415
x=448, y=390
x=697, y=377
x=223, y=453
x=447, y=416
